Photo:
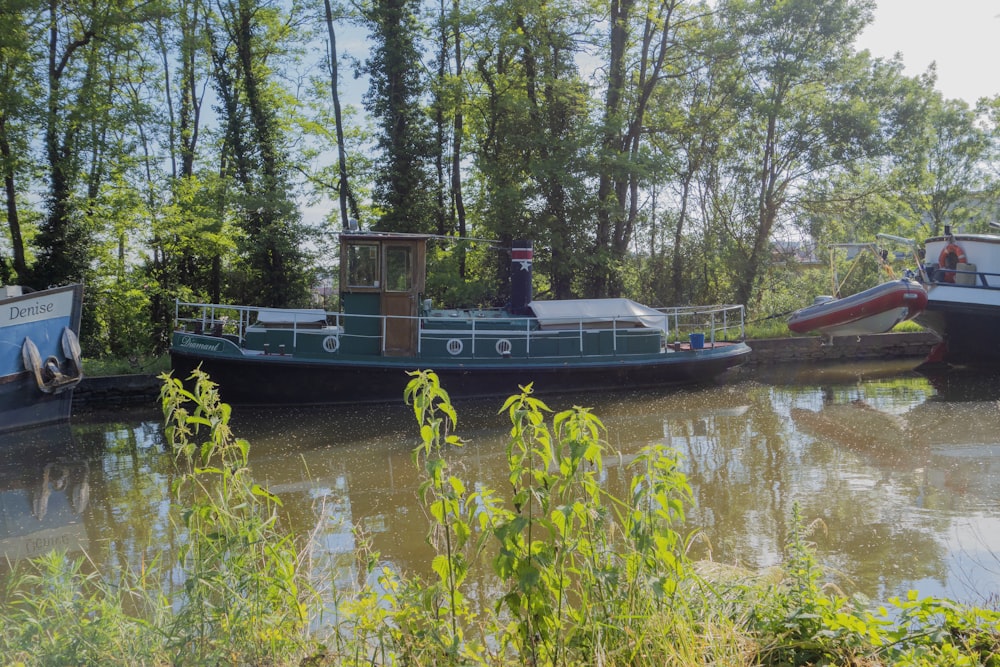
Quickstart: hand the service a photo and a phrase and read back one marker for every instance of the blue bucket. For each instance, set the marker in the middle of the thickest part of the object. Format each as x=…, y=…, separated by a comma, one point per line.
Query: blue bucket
x=697, y=341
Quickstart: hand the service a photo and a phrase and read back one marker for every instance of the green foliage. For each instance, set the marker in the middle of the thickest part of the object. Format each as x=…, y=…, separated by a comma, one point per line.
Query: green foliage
x=121, y=310
x=243, y=596
x=665, y=172
x=403, y=186
x=450, y=289
x=55, y=612
x=580, y=571
x=802, y=621
x=129, y=365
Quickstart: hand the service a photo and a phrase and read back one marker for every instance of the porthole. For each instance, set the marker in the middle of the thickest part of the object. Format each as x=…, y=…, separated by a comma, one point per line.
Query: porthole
x=455, y=346
x=331, y=344
x=504, y=347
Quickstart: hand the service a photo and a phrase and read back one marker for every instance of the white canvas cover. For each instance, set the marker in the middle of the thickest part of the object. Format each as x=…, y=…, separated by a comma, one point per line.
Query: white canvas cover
x=267, y=316
x=594, y=313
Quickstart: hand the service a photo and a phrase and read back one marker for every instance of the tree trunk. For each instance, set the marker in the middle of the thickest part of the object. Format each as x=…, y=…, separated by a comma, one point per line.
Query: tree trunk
x=607, y=206
x=13, y=220
x=342, y=186
x=458, y=128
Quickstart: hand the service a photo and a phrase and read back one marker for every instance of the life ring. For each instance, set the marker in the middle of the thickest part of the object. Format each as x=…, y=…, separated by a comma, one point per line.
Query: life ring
x=950, y=258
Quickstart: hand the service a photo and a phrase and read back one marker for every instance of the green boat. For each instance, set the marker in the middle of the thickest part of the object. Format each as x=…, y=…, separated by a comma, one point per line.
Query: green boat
x=388, y=326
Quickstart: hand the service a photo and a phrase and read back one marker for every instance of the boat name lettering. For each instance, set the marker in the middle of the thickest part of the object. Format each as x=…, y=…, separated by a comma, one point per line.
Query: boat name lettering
x=40, y=308
x=188, y=341
x=39, y=545
x=34, y=310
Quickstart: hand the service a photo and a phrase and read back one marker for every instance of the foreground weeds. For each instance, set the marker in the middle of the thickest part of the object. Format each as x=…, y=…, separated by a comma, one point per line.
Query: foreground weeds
x=551, y=570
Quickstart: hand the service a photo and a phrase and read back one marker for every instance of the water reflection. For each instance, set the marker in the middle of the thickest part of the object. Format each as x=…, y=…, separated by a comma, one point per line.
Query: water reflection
x=44, y=493
x=903, y=471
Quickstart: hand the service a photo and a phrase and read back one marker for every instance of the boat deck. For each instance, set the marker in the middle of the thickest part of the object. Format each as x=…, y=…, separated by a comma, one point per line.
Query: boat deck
x=481, y=335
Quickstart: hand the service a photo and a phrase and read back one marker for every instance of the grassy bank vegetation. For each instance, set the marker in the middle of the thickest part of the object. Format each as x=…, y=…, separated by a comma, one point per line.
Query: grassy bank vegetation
x=131, y=365
x=778, y=328
x=553, y=570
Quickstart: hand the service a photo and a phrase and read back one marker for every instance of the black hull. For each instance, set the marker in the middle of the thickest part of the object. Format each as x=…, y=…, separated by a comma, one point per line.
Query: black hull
x=23, y=406
x=250, y=381
x=971, y=332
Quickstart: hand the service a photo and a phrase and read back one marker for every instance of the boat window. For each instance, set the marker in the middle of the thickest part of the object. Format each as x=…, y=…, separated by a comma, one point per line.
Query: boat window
x=398, y=268
x=362, y=265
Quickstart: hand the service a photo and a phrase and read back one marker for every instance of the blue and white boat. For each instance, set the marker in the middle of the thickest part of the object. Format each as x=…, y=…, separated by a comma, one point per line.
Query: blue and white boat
x=963, y=297
x=39, y=355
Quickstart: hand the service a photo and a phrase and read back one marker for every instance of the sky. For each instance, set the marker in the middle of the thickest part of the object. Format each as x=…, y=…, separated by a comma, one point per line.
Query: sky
x=961, y=36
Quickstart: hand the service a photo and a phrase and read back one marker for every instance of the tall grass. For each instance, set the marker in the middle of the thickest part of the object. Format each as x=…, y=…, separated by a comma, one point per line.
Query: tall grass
x=554, y=570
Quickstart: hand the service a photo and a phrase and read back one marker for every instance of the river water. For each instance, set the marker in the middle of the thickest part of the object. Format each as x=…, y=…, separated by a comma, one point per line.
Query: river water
x=899, y=472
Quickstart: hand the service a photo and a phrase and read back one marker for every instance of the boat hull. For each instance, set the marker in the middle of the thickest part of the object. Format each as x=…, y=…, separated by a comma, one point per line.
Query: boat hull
x=283, y=380
x=963, y=306
x=875, y=310
x=23, y=406
x=970, y=328
x=38, y=326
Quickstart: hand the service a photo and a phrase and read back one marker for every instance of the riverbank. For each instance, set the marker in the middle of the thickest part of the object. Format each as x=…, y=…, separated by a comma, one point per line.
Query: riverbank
x=113, y=390
x=774, y=351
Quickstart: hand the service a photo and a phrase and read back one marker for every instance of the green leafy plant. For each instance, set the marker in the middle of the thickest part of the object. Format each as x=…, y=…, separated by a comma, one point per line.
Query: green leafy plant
x=569, y=587
x=450, y=509
x=243, y=594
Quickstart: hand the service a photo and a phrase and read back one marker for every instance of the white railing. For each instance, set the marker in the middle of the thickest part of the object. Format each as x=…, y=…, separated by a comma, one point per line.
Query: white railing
x=718, y=323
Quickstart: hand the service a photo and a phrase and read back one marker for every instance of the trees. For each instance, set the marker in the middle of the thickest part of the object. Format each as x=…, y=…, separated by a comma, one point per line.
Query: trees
x=246, y=37
x=651, y=42
x=531, y=133
x=944, y=168
x=803, y=115
x=403, y=188
x=652, y=147
x=343, y=188
x=19, y=89
x=82, y=81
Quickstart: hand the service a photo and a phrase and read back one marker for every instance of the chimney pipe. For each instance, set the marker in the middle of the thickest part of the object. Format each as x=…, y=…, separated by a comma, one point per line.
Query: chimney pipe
x=520, y=277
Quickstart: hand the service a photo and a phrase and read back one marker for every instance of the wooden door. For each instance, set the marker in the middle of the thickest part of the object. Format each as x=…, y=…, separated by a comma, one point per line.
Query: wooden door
x=402, y=282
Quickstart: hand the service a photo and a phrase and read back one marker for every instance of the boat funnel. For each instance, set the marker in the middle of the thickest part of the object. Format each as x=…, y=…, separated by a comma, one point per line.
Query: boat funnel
x=520, y=276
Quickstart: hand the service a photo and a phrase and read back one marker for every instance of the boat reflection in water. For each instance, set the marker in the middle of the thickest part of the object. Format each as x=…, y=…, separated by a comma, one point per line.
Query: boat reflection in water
x=44, y=493
x=938, y=459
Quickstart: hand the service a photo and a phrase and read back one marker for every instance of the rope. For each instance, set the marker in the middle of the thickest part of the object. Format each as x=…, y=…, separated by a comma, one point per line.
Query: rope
x=771, y=317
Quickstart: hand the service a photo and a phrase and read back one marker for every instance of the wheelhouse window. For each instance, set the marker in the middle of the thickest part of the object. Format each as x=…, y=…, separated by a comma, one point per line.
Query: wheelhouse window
x=398, y=268
x=362, y=265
